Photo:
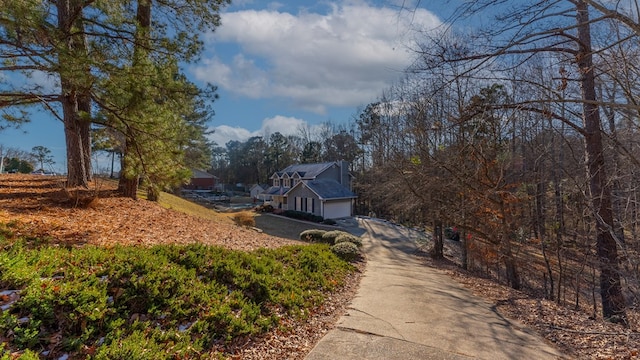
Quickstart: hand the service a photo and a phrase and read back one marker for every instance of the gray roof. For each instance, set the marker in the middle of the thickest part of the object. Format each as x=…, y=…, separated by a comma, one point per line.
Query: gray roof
x=199, y=174
x=329, y=189
x=275, y=190
x=262, y=186
x=308, y=171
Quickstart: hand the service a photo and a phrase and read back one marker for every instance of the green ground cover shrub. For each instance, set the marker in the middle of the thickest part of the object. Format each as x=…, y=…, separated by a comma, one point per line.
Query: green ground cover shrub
x=312, y=235
x=348, y=238
x=329, y=237
x=156, y=303
x=346, y=250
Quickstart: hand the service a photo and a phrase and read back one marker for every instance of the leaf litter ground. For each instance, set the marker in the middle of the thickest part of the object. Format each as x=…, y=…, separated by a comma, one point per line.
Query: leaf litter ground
x=40, y=207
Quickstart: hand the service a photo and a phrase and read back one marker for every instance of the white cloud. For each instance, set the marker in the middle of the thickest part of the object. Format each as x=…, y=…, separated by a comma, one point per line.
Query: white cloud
x=47, y=83
x=224, y=133
x=345, y=57
x=282, y=124
x=39, y=82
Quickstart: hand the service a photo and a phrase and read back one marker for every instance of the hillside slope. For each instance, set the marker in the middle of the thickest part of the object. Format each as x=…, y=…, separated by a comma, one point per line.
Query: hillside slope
x=38, y=206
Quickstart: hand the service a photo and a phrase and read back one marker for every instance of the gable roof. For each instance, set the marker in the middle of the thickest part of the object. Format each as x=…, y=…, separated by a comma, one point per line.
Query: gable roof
x=261, y=186
x=276, y=190
x=308, y=171
x=327, y=189
x=199, y=174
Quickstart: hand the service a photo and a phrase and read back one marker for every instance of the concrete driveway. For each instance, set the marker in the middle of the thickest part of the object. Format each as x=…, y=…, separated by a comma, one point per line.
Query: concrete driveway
x=405, y=310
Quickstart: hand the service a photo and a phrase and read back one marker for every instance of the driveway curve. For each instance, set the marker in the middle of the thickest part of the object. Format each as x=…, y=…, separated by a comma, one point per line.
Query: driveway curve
x=406, y=310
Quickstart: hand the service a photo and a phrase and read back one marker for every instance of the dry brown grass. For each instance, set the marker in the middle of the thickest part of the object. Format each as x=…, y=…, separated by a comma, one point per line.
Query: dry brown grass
x=244, y=218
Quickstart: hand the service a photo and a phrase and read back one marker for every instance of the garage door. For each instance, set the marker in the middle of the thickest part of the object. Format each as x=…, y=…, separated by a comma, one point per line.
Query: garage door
x=337, y=209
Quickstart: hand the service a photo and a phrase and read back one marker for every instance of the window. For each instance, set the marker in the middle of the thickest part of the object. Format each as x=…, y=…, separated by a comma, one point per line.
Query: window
x=276, y=182
x=286, y=183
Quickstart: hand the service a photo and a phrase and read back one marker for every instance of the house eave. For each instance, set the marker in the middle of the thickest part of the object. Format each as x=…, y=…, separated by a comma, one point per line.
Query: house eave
x=340, y=198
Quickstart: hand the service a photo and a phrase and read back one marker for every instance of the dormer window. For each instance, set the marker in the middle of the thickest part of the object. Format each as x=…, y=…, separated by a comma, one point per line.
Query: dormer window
x=276, y=182
x=296, y=179
x=286, y=180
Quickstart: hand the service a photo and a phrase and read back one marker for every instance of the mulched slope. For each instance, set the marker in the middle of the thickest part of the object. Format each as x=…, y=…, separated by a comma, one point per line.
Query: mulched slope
x=41, y=207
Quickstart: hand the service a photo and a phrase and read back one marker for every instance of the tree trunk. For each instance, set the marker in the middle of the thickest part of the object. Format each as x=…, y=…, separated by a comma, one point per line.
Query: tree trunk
x=616, y=190
x=129, y=187
x=465, y=250
x=437, y=252
x=129, y=173
x=559, y=206
x=113, y=159
x=76, y=103
x=541, y=190
x=75, y=131
x=128, y=182
x=153, y=193
x=511, y=266
x=506, y=251
x=613, y=302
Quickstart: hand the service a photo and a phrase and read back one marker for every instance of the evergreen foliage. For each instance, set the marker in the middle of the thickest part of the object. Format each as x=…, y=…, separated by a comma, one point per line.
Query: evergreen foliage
x=159, y=302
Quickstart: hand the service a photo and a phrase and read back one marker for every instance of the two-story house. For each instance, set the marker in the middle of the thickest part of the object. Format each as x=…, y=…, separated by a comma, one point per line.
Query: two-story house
x=322, y=189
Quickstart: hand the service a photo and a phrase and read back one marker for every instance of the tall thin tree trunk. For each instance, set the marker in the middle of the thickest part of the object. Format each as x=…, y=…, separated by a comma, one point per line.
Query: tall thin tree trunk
x=613, y=302
x=510, y=263
x=541, y=190
x=113, y=159
x=506, y=250
x=437, y=252
x=616, y=187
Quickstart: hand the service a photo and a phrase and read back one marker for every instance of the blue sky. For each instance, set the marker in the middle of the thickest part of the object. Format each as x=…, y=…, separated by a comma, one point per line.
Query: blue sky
x=286, y=64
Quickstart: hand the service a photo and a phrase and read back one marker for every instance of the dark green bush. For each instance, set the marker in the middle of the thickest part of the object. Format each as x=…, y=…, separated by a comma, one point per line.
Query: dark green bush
x=346, y=250
x=312, y=235
x=302, y=216
x=348, y=238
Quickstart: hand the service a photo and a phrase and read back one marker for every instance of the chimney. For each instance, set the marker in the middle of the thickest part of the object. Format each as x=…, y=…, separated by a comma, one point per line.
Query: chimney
x=344, y=174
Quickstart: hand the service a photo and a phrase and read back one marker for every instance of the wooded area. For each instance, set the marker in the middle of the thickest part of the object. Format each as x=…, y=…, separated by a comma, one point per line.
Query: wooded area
x=523, y=134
